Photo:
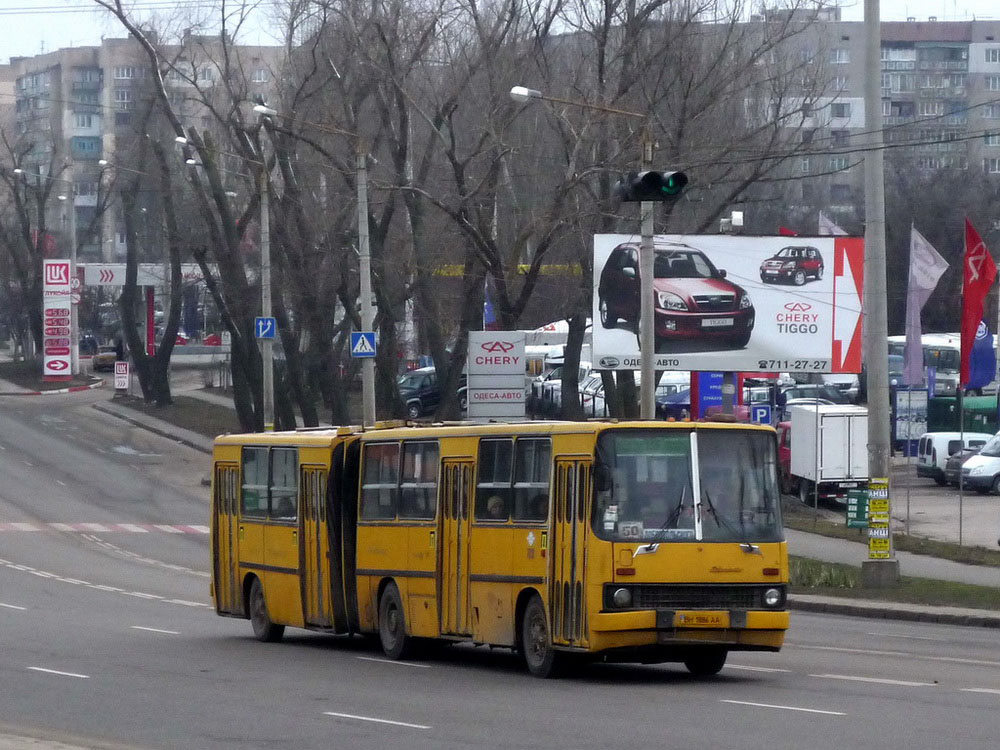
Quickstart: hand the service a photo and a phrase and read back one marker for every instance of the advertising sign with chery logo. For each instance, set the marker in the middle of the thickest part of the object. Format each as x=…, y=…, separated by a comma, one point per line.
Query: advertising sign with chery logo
x=495, y=371
x=732, y=302
x=56, y=291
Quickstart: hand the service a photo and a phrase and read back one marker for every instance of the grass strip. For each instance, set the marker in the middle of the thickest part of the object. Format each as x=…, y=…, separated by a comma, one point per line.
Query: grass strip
x=836, y=579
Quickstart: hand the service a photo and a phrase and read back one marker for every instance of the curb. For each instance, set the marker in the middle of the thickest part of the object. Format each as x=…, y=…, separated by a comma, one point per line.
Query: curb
x=879, y=612
x=73, y=389
x=199, y=444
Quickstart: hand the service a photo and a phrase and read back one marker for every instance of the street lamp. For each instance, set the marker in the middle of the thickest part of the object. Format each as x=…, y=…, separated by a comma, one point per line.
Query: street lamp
x=647, y=341
x=265, y=278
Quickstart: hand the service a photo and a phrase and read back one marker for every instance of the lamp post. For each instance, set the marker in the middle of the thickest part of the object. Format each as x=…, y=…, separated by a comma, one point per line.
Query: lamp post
x=265, y=279
x=647, y=339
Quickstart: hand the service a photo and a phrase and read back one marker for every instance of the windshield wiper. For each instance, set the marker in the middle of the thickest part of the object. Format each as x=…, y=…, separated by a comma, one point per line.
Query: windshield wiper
x=671, y=519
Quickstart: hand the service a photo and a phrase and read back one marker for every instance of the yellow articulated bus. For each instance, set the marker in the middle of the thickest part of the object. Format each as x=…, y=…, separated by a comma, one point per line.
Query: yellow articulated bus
x=631, y=541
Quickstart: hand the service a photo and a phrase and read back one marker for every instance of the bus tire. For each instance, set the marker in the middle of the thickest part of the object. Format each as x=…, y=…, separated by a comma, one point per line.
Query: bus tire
x=537, y=652
x=263, y=629
x=396, y=644
x=706, y=662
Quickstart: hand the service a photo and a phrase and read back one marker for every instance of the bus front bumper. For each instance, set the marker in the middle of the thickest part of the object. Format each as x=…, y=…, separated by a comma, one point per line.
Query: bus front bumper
x=735, y=629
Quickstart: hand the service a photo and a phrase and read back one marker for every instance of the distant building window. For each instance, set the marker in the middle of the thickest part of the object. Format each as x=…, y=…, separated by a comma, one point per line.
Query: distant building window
x=259, y=75
x=840, y=56
x=123, y=95
x=840, y=137
x=993, y=54
x=206, y=73
x=930, y=108
x=123, y=72
x=807, y=136
x=993, y=83
x=840, y=109
x=840, y=194
x=928, y=162
x=992, y=139
x=84, y=121
x=839, y=83
x=838, y=163
x=992, y=166
x=991, y=111
x=804, y=165
x=86, y=188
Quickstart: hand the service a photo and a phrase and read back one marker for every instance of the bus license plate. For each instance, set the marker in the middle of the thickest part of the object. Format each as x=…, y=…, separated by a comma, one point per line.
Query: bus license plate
x=701, y=619
x=716, y=322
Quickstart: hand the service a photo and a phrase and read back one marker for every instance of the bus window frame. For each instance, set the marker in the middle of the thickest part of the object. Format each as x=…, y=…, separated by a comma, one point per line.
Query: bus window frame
x=397, y=487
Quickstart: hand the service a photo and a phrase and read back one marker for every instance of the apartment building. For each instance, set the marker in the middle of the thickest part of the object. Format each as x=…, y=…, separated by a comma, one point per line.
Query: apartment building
x=75, y=114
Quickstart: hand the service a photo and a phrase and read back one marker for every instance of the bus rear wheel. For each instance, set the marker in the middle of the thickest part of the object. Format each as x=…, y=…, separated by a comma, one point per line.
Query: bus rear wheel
x=263, y=628
x=706, y=662
x=392, y=624
x=540, y=657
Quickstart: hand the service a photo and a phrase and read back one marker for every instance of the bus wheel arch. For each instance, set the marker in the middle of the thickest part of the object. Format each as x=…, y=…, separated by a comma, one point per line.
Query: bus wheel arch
x=535, y=640
x=523, y=597
x=263, y=628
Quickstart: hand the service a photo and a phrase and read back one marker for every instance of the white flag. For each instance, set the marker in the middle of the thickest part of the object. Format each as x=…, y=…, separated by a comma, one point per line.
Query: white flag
x=926, y=267
x=827, y=226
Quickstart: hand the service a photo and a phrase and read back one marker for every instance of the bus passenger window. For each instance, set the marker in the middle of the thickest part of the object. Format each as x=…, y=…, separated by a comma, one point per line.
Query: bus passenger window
x=493, y=491
x=532, y=459
x=284, y=483
x=381, y=475
x=418, y=492
x=254, y=491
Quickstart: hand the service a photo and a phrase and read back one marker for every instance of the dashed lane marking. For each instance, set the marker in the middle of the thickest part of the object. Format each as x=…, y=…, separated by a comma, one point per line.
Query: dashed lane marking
x=748, y=668
x=61, y=674
x=155, y=630
x=12, y=606
x=876, y=680
x=100, y=587
x=785, y=708
x=377, y=721
x=107, y=528
x=991, y=691
x=395, y=663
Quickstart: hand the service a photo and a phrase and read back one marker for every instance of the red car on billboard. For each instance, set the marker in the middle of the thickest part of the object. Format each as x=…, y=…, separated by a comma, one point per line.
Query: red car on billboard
x=795, y=263
x=693, y=300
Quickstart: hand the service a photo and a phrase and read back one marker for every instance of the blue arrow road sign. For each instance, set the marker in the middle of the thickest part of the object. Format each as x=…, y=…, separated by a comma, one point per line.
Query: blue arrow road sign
x=362, y=343
x=760, y=413
x=265, y=328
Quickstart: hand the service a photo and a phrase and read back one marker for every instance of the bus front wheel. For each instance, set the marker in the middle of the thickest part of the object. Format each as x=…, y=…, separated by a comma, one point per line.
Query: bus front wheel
x=392, y=624
x=706, y=662
x=541, y=659
x=263, y=628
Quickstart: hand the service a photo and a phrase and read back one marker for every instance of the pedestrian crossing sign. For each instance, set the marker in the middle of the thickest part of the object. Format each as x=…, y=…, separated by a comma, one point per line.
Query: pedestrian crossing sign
x=362, y=343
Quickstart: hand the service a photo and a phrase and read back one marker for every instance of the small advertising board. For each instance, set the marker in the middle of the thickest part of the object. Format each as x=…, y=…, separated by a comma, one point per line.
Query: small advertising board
x=495, y=372
x=121, y=376
x=732, y=303
x=56, y=315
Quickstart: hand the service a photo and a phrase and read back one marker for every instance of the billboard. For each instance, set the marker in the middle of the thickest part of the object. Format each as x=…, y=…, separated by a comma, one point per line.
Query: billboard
x=56, y=316
x=732, y=303
x=495, y=371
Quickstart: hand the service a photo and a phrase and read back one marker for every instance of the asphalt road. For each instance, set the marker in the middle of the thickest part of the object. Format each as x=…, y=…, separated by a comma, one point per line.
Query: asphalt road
x=108, y=638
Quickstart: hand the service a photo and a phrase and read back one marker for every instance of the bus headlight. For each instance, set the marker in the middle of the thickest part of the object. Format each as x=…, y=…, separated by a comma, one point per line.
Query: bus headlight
x=622, y=598
x=772, y=597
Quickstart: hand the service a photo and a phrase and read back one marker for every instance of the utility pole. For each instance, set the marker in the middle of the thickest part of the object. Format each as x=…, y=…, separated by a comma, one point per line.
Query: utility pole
x=365, y=271
x=265, y=297
x=876, y=571
x=647, y=313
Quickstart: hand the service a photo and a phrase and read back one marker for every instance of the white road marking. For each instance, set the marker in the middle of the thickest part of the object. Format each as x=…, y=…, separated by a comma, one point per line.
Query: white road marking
x=63, y=674
x=390, y=661
x=24, y=526
x=133, y=527
x=959, y=660
x=59, y=481
x=871, y=651
x=155, y=630
x=377, y=721
x=168, y=529
x=786, y=708
x=27, y=463
x=911, y=637
x=12, y=606
x=748, y=668
x=991, y=691
x=876, y=680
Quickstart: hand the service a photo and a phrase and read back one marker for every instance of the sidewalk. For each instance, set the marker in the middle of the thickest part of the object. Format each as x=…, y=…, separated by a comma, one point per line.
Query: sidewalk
x=800, y=543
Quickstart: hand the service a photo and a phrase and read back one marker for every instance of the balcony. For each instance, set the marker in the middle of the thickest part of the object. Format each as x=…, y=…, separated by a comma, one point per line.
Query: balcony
x=86, y=85
x=79, y=108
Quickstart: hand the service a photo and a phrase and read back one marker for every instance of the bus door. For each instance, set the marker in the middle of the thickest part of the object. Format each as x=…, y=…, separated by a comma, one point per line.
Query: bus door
x=315, y=547
x=226, y=552
x=453, y=586
x=568, y=575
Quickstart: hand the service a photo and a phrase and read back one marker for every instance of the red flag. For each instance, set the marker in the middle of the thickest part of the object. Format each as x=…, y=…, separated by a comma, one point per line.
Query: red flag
x=786, y=232
x=979, y=273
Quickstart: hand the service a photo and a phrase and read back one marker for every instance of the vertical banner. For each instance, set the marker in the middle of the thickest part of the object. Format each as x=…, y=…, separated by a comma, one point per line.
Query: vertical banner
x=56, y=335
x=879, y=533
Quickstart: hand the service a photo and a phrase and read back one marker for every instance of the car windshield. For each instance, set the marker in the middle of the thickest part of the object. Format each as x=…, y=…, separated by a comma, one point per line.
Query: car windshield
x=789, y=252
x=646, y=491
x=992, y=447
x=410, y=381
x=682, y=264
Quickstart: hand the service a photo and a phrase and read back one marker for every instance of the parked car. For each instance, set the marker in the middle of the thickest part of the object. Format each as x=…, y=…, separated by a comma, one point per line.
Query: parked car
x=795, y=263
x=813, y=390
x=420, y=392
x=953, y=466
x=104, y=359
x=784, y=414
x=982, y=471
x=934, y=449
x=693, y=300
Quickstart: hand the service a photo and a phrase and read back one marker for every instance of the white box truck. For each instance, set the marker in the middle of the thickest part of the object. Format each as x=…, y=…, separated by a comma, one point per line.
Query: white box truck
x=829, y=450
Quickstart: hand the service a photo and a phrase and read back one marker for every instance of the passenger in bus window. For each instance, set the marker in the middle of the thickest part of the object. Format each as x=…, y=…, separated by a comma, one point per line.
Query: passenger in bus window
x=495, y=508
x=539, y=508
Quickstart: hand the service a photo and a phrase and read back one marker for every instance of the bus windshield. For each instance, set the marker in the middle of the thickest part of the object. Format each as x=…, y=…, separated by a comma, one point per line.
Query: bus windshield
x=644, y=488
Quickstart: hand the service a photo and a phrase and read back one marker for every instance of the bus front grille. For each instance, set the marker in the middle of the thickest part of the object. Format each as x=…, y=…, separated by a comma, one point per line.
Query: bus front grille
x=709, y=596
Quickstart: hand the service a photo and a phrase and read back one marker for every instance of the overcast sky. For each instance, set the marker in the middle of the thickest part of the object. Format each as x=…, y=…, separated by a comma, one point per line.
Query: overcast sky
x=29, y=27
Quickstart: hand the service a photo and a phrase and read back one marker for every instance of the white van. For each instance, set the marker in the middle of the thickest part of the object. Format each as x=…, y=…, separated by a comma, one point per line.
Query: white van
x=935, y=447
x=982, y=471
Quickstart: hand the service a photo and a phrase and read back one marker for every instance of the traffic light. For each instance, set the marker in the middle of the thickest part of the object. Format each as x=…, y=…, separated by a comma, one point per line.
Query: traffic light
x=651, y=186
